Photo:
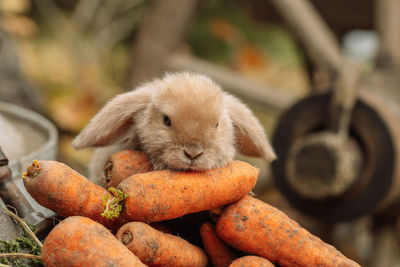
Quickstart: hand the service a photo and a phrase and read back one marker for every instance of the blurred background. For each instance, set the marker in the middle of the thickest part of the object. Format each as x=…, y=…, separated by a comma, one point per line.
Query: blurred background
x=322, y=77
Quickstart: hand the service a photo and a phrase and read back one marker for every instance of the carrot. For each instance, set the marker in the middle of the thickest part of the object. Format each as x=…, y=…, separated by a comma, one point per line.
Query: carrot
x=258, y=228
x=123, y=164
x=156, y=248
x=251, y=261
x=79, y=241
x=217, y=250
x=163, y=195
x=56, y=186
x=161, y=227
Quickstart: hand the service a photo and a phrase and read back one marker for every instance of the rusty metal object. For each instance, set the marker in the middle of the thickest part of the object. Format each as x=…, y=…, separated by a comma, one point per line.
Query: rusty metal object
x=3, y=159
x=375, y=130
x=10, y=193
x=13, y=197
x=41, y=137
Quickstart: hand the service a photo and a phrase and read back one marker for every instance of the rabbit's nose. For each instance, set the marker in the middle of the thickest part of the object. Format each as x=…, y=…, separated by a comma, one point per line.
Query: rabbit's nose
x=192, y=155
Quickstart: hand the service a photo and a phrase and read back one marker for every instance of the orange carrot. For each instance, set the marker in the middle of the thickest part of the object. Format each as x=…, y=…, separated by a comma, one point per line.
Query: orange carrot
x=217, y=250
x=251, y=261
x=56, y=186
x=123, y=164
x=258, y=228
x=79, y=241
x=156, y=248
x=163, y=195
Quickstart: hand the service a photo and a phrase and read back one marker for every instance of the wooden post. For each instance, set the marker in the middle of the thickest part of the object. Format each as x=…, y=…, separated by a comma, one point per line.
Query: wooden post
x=161, y=31
x=387, y=19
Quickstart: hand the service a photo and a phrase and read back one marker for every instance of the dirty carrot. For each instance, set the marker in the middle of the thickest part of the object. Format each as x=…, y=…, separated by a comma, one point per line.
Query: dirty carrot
x=255, y=227
x=56, y=186
x=220, y=254
x=163, y=195
x=123, y=164
x=251, y=261
x=156, y=248
x=79, y=241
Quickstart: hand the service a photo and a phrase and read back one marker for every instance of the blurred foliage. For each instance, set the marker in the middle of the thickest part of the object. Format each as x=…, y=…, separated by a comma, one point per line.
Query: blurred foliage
x=75, y=56
x=76, y=59
x=224, y=32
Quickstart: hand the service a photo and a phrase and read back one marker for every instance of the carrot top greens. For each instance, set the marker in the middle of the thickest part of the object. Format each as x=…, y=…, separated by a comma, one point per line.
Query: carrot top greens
x=112, y=204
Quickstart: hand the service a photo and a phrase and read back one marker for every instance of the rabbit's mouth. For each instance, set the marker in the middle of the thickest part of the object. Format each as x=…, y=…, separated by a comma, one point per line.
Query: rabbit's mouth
x=196, y=166
x=185, y=166
x=193, y=166
x=179, y=165
x=176, y=159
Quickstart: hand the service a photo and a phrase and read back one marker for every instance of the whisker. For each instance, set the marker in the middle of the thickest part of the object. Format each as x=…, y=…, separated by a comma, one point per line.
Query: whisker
x=148, y=163
x=155, y=161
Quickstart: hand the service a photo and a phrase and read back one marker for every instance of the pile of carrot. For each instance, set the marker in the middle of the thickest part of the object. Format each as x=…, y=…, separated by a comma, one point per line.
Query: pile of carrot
x=248, y=232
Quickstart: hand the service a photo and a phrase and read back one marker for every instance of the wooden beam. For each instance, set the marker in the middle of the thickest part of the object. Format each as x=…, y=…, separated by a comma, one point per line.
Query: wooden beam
x=233, y=82
x=316, y=36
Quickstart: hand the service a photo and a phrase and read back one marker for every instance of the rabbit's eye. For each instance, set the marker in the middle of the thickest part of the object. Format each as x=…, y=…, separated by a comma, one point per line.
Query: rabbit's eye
x=167, y=121
x=217, y=125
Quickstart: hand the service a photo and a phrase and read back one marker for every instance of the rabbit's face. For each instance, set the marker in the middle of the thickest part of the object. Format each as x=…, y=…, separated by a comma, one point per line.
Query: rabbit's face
x=187, y=127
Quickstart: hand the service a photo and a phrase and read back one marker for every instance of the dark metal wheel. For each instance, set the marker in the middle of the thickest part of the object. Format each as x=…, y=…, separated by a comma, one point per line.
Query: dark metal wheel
x=369, y=128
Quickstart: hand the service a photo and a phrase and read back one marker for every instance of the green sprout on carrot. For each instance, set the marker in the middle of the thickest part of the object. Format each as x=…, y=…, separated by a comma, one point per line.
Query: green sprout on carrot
x=112, y=204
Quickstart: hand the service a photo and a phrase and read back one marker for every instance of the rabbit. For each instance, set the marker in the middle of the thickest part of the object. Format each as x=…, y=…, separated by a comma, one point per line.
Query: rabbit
x=182, y=121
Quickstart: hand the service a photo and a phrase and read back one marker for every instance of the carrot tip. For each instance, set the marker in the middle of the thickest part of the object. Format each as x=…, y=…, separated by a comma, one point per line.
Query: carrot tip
x=107, y=172
x=24, y=175
x=36, y=164
x=127, y=237
x=32, y=170
x=111, y=204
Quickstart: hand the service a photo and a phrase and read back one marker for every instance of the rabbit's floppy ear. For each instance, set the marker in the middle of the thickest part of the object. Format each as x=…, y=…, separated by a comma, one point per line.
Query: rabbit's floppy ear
x=113, y=120
x=250, y=136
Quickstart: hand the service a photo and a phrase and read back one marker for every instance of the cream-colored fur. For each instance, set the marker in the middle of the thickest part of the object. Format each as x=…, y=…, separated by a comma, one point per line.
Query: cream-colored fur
x=207, y=126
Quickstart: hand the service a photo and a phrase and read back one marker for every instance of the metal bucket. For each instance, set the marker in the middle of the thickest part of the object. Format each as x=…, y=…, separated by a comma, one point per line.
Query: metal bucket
x=41, y=138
